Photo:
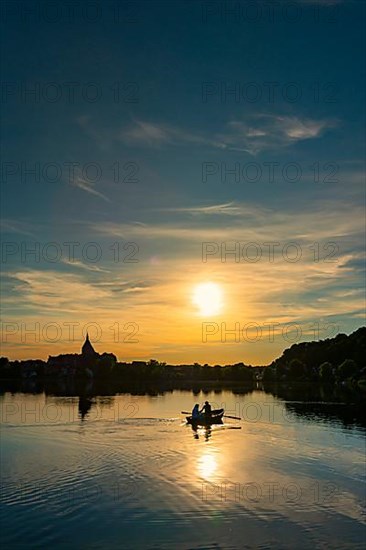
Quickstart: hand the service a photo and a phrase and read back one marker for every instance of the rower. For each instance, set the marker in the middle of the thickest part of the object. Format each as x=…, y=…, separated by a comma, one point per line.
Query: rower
x=207, y=409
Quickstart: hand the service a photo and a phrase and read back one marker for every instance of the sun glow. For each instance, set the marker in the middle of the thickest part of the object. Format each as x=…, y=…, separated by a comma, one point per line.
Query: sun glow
x=208, y=298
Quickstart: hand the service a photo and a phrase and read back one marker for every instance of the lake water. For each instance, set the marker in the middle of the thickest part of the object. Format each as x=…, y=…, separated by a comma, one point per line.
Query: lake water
x=127, y=472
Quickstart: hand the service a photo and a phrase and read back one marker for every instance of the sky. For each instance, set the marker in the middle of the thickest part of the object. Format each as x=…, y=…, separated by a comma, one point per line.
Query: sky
x=183, y=180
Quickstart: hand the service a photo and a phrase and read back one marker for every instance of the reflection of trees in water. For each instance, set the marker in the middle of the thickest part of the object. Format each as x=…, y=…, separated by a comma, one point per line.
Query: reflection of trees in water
x=349, y=414
x=305, y=400
x=243, y=391
x=86, y=396
x=105, y=400
x=333, y=404
x=74, y=387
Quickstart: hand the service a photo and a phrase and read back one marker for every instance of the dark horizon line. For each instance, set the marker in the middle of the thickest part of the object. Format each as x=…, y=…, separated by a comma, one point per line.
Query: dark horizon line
x=203, y=364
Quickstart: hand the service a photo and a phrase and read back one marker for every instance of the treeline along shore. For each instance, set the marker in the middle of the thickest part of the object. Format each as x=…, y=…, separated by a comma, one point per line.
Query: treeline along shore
x=336, y=361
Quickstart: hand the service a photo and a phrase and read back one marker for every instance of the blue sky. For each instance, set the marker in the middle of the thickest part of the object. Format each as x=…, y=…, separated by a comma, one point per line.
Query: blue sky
x=229, y=122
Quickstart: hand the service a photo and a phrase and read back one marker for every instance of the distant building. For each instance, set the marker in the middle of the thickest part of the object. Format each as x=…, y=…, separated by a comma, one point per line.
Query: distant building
x=67, y=364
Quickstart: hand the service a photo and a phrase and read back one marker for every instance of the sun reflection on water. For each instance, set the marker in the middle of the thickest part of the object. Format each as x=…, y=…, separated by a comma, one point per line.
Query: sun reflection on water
x=207, y=465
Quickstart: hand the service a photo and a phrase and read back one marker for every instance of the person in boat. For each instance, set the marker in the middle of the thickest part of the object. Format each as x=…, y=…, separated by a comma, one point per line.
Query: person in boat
x=206, y=409
x=196, y=412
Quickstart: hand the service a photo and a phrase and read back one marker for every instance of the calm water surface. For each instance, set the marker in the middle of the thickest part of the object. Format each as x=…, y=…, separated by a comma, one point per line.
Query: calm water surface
x=126, y=472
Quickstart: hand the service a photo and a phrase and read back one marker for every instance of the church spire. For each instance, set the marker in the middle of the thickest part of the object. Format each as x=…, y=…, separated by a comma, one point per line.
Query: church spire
x=87, y=349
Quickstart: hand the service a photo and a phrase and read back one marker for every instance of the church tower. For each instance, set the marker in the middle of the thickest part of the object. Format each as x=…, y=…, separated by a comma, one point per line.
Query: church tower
x=87, y=350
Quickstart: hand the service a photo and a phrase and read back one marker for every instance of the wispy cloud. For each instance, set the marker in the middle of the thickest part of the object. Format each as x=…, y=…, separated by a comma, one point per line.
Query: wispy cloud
x=87, y=186
x=50, y=291
x=62, y=294
x=145, y=132
x=82, y=265
x=225, y=209
x=158, y=134
x=19, y=227
x=251, y=221
x=265, y=132
x=252, y=135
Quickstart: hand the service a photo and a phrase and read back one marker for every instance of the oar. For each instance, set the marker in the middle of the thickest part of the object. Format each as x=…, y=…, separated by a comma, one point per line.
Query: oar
x=225, y=415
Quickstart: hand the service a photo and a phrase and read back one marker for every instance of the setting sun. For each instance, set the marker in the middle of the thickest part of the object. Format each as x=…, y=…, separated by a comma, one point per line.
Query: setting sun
x=208, y=298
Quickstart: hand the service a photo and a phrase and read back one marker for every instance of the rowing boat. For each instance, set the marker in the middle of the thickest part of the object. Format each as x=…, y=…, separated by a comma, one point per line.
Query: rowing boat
x=202, y=420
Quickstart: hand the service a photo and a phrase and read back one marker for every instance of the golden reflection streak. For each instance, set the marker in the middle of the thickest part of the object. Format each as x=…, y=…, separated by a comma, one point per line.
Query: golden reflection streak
x=207, y=465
